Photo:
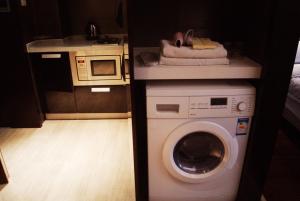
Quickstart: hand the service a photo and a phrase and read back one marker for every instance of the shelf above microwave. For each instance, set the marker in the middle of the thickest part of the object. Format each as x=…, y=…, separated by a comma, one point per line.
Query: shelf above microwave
x=239, y=68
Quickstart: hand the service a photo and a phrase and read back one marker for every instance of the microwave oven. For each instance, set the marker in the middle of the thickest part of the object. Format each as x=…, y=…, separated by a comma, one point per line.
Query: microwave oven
x=126, y=61
x=91, y=69
x=126, y=64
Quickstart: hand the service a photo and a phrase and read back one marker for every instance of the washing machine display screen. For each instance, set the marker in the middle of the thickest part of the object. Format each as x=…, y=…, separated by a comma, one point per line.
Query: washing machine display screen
x=199, y=153
x=218, y=101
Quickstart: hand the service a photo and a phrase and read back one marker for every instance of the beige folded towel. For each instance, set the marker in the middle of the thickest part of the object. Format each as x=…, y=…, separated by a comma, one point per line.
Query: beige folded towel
x=203, y=43
x=192, y=62
x=168, y=50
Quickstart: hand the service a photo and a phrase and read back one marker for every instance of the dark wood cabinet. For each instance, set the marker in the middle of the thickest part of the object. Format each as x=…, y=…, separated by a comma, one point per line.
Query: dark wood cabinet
x=54, y=82
x=19, y=104
x=53, y=70
x=101, y=99
x=128, y=95
x=58, y=95
x=60, y=102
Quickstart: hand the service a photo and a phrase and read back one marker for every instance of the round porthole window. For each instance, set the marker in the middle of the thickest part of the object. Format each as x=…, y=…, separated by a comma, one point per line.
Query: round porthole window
x=198, y=153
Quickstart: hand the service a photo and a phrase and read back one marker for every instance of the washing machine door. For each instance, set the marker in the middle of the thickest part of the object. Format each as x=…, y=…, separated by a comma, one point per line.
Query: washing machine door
x=199, y=151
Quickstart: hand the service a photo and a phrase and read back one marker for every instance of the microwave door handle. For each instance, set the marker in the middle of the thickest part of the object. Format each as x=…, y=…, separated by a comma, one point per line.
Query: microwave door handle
x=123, y=68
x=51, y=56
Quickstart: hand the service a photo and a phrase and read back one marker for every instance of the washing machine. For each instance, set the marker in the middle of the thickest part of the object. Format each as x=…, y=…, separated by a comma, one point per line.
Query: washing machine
x=197, y=138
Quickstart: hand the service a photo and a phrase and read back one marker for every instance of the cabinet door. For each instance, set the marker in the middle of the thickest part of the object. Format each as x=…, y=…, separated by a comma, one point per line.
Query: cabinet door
x=128, y=98
x=60, y=102
x=101, y=99
x=54, y=82
x=53, y=71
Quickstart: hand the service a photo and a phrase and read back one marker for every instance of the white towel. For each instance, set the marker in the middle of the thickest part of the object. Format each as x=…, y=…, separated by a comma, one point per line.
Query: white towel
x=148, y=58
x=192, y=62
x=168, y=50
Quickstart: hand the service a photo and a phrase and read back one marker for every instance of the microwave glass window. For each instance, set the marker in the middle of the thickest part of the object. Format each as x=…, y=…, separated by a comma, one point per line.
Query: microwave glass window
x=103, y=67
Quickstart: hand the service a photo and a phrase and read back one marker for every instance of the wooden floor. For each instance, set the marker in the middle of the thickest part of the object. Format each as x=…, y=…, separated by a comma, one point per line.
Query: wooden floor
x=81, y=160
x=283, y=181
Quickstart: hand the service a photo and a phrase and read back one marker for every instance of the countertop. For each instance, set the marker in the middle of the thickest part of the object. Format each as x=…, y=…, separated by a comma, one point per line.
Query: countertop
x=72, y=43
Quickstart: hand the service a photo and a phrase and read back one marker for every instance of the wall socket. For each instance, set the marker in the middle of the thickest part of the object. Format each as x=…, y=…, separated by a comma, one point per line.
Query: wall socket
x=23, y=3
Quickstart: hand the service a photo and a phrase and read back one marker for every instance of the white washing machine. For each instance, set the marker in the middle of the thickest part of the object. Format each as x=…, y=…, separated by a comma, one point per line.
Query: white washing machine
x=197, y=138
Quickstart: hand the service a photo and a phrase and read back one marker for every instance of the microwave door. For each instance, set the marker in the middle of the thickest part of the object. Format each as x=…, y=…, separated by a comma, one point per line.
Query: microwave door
x=104, y=68
x=127, y=67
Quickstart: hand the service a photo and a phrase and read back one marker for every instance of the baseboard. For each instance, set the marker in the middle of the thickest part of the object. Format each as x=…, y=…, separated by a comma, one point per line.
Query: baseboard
x=75, y=116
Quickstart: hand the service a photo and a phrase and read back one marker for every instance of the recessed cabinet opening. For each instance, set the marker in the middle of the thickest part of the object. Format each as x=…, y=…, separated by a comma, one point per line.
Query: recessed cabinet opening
x=226, y=22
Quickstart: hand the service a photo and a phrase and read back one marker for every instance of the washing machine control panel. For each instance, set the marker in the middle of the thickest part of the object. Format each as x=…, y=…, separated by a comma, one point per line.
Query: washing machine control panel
x=221, y=106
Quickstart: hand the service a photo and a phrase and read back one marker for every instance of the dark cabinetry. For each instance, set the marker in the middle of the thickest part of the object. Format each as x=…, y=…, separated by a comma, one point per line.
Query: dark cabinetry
x=128, y=95
x=58, y=95
x=19, y=104
x=101, y=99
x=60, y=102
x=54, y=81
x=53, y=70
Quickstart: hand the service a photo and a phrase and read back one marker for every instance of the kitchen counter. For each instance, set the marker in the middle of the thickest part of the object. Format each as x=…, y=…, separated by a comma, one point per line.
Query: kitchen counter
x=70, y=44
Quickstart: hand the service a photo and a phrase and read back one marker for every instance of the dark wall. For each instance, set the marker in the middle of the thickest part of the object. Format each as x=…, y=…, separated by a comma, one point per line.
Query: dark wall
x=46, y=18
x=76, y=14
x=258, y=20
x=221, y=20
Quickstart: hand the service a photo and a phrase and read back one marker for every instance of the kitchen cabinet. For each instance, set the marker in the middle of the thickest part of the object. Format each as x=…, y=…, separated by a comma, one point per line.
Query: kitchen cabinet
x=60, y=102
x=19, y=104
x=128, y=96
x=61, y=99
x=54, y=82
x=101, y=99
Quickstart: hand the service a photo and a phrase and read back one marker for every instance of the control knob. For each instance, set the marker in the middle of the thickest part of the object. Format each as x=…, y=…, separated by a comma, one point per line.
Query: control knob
x=241, y=106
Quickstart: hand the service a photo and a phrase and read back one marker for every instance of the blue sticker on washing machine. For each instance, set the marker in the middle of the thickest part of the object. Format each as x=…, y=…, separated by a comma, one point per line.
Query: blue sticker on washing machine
x=242, y=126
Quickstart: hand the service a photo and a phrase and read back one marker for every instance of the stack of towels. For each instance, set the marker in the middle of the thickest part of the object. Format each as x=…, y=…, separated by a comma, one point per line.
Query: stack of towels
x=195, y=55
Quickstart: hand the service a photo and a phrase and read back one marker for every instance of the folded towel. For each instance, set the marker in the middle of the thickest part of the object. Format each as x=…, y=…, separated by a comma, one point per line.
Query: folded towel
x=148, y=58
x=192, y=62
x=203, y=43
x=168, y=50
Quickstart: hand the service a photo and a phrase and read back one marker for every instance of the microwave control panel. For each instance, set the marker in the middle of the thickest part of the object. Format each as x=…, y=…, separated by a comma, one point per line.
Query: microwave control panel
x=82, y=70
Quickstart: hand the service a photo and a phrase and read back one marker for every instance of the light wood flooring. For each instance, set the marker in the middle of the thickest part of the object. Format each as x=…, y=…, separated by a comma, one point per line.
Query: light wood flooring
x=80, y=160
